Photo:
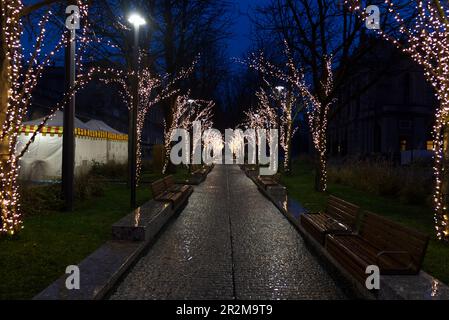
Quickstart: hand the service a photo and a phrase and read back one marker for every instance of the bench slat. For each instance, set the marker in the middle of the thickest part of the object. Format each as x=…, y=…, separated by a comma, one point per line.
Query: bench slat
x=375, y=243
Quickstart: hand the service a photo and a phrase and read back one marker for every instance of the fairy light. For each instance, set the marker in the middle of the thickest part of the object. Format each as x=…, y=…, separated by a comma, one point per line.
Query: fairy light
x=21, y=78
x=275, y=110
x=152, y=89
x=317, y=109
x=213, y=141
x=186, y=111
x=426, y=41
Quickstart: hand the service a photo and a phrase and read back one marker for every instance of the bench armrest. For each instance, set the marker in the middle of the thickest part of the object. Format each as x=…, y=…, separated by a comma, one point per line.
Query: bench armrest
x=336, y=223
x=392, y=253
x=314, y=212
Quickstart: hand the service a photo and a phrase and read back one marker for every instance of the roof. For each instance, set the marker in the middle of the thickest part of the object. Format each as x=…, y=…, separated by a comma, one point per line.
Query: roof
x=57, y=120
x=100, y=126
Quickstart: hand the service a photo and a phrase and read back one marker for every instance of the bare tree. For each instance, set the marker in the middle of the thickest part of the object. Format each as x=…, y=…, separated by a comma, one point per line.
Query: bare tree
x=18, y=78
x=424, y=36
x=316, y=31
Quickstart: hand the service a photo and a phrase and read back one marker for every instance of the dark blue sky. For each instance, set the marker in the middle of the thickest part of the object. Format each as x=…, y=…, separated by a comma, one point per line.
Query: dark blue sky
x=241, y=27
x=240, y=41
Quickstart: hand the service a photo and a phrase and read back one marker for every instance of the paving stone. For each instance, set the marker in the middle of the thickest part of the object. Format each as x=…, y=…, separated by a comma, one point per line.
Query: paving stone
x=230, y=242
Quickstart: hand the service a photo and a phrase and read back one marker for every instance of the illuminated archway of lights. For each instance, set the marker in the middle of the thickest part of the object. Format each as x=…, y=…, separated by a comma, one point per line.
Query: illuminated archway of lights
x=213, y=142
x=317, y=109
x=426, y=41
x=187, y=111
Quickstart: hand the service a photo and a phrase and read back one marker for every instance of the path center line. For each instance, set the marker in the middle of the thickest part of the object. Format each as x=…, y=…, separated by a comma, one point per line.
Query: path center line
x=228, y=198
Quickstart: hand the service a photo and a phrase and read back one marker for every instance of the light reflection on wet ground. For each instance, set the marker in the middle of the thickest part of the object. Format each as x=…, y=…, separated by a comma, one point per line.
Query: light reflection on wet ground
x=229, y=242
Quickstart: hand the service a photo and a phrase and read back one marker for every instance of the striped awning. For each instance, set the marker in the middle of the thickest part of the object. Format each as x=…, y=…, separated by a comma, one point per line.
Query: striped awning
x=86, y=133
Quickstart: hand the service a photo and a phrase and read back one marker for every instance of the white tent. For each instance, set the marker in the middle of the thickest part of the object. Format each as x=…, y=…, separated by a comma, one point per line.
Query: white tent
x=100, y=126
x=94, y=141
x=106, y=150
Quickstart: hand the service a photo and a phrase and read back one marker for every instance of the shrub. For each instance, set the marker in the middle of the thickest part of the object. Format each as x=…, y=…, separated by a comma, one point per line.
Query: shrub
x=410, y=184
x=86, y=186
x=38, y=199
x=111, y=170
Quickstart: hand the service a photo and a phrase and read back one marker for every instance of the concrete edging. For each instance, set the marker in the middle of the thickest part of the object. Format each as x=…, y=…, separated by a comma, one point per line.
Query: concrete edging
x=396, y=287
x=102, y=269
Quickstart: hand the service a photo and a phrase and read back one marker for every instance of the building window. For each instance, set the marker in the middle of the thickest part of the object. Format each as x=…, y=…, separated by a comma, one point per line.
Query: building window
x=405, y=124
x=407, y=88
x=429, y=145
x=403, y=146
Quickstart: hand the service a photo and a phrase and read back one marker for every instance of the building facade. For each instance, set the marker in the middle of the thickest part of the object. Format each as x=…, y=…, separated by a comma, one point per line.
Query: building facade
x=393, y=116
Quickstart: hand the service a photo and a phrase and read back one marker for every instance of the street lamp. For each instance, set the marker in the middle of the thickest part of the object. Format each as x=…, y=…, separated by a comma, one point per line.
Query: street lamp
x=280, y=88
x=136, y=20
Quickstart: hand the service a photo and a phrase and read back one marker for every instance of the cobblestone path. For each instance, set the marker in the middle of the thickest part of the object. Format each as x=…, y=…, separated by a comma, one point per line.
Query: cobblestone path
x=230, y=242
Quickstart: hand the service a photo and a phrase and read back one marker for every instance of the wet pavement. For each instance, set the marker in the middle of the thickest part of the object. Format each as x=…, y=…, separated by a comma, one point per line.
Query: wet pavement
x=230, y=242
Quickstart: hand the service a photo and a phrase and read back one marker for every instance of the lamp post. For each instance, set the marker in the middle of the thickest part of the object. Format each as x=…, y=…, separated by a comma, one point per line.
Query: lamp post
x=137, y=21
x=68, y=138
x=192, y=139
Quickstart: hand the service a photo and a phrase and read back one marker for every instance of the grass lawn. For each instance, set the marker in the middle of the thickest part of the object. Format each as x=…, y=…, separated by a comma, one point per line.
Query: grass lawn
x=52, y=241
x=180, y=175
x=301, y=187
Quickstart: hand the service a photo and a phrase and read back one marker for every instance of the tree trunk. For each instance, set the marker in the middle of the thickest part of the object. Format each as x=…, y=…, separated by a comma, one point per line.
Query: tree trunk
x=287, y=155
x=287, y=168
x=10, y=216
x=444, y=212
x=321, y=172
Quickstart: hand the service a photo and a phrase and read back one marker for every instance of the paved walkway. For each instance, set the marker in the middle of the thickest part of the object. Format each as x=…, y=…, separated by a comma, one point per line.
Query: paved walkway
x=229, y=242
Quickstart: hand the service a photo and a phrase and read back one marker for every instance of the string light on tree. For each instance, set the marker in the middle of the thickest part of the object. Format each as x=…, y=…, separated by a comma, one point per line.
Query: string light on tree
x=20, y=77
x=317, y=102
x=276, y=109
x=187, y=111
x=426, y=40
x=152, y=90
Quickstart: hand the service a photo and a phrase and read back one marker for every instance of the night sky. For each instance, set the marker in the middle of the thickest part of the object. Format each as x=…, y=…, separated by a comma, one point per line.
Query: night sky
x=240, y=42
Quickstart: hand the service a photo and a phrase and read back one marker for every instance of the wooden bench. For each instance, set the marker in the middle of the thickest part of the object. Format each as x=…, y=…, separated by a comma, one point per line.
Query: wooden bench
x=200, y=173
x=172, y=186
x=251, y=170
x=250, y=167
x=267, y=181
x=395, y=249
x=340, y=217
x=161, y=193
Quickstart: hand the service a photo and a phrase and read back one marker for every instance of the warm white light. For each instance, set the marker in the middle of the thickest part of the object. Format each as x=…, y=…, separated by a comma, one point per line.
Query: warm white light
x=136, y=20
x=280, y=88
x=191, y=101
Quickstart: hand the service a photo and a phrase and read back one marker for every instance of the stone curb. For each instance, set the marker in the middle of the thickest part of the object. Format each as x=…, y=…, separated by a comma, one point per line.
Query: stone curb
x=102, y=269
x=396, y=287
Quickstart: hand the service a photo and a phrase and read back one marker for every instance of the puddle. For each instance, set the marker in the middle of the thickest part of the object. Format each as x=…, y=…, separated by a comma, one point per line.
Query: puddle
x=290, y=205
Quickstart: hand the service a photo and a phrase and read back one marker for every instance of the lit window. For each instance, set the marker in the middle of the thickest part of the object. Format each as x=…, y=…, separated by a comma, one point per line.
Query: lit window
x=430, y=145
x=403, y=145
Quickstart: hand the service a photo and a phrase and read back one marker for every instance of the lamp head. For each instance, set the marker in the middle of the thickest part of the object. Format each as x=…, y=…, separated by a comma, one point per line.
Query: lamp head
x=280, y=88
x=136, y=20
